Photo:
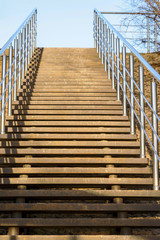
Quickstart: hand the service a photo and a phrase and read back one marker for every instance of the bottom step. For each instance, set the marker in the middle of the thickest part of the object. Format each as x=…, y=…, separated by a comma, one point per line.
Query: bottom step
x=79, y=222
x=80, y=237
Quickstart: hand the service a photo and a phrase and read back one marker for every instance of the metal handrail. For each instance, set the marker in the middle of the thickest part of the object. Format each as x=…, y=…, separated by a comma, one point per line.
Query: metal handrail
x=105, y=41
x=130, y=47
x=24, y=41
x=6, y=45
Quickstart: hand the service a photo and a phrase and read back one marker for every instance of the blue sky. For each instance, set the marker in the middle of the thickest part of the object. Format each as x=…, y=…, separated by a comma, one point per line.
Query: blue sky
x=61, y=23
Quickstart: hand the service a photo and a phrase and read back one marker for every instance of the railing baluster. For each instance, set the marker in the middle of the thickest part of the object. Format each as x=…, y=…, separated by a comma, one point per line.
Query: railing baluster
x=154, y=136
x=118, y=65
x=132, y=93
x=109, y=68
x=31, y=36
x=20, y=61
x=95, y=29
x=102, y=45
x=35, y=41
x=113, y=70
x=99, y=38
x=124, y=81
x=10, y=81
x=141, y=83
x=28, y=59
x=26, y=48
x=105, y=45
x=33, y=32
x=15, y=69
x=23, y=52
x=30, y=51
x=4, y=63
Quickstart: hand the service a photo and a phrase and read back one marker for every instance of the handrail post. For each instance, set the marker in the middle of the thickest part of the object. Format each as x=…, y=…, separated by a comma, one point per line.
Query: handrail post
x=102, y=30
x=95, y=29
x=33, y=32
x=118, y=65
x=142, y=118
x=105, y=45
x=113, y=82
x=124, y=81
x=31, y=36
x=29, y=29
x=15, y=69
x=10, y=81
x=4, y=63
x=35, y=29
x=28, y=43
x=96, y=37
x=23, y=52
x=99, y=38
x=97, y=33
x=154, y=136
x=26, y=49
x=20, y=60
x=108, y=38
x=132, y=93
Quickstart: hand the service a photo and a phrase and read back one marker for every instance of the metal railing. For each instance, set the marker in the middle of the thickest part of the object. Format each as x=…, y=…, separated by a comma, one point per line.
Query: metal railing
x=20, y=46
x=106, y=37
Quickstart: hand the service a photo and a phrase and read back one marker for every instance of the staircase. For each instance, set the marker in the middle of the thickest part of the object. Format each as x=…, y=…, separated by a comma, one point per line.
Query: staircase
x=70, y=169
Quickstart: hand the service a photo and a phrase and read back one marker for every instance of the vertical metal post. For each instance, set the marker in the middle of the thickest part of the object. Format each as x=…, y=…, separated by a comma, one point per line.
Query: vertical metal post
x=97, y=33
x=10, y=81
x=28, y=59
x=109, y=68
x=154, y=136
x=142, y=118
x=20, y=60
x=148, y=36
x=33, y=32
x=155, y=36
x=95, y=30
x=15, y=69
x=102, y=45
x=26, y=49
x=105, y=45
x=124, y=81
x=23, y=52
x=113, y=70
x=132, y=93
x=4, y=63
x=100, y=38
x=118, y=65
x=31, y=37
x=35, y=42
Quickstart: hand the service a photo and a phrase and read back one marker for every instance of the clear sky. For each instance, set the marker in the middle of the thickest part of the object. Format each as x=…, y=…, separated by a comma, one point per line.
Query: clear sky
x=61, y=23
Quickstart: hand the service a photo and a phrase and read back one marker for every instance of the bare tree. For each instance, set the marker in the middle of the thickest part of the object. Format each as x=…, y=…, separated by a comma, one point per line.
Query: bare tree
x=148, y=10
x=150, y=6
